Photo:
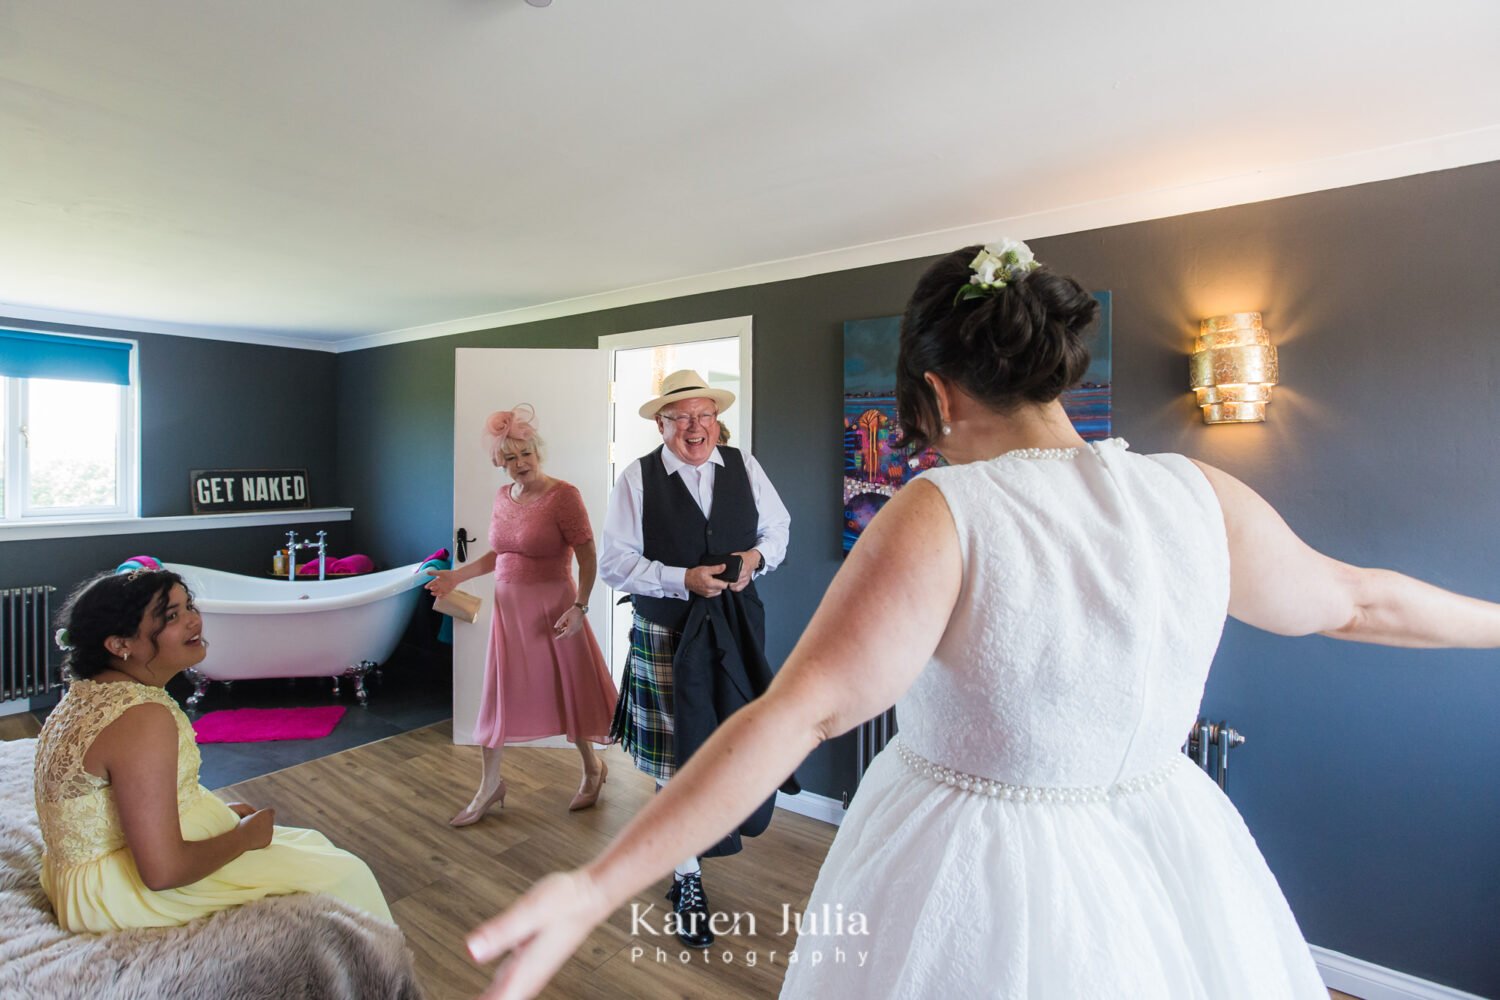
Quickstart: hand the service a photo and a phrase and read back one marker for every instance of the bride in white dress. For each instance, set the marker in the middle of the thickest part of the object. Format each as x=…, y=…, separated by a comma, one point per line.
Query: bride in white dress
x=1034, y=830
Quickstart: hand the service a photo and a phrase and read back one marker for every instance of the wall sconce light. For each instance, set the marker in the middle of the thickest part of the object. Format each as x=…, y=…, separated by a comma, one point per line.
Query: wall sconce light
x=1233, y=368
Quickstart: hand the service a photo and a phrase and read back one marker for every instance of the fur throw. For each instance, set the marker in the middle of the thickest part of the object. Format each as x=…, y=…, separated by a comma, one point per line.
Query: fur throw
x=282, y=947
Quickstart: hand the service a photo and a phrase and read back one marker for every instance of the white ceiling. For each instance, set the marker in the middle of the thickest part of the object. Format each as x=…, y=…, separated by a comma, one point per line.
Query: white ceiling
x=342, y=173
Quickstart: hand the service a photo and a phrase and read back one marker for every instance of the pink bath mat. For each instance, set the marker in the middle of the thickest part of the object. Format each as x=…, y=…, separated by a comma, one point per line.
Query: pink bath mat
x=262, y=725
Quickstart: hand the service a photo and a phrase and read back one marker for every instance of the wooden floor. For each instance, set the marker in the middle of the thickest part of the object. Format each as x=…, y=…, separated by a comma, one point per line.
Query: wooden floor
x=389, y=802
x=21, y=726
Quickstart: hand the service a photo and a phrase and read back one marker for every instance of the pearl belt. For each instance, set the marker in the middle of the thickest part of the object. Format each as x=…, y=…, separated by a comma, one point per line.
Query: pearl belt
x=977, y=785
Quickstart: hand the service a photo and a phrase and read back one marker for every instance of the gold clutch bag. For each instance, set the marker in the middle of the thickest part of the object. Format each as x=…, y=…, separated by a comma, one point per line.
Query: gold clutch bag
x=457, y=604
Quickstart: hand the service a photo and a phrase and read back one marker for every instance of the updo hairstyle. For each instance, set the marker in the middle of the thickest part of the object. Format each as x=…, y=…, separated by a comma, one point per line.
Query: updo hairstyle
x=1021, y=344
x=107, y=605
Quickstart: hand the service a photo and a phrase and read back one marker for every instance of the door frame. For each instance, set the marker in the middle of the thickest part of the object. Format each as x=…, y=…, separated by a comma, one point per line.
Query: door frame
x=714, y=329
x=686, y=333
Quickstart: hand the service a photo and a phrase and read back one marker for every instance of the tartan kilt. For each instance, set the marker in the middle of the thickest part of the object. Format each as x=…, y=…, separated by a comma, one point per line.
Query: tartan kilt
x=643, y=716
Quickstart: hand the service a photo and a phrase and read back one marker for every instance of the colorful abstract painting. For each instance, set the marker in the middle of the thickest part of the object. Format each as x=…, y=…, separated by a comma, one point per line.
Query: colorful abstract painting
x=873, y=468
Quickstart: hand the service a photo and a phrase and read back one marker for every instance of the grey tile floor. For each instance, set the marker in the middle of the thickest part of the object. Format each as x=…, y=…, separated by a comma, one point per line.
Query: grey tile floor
x=409, y=693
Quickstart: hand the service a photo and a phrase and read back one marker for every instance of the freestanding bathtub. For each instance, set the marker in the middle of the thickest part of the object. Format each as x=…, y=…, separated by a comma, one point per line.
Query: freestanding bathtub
x=265, y=627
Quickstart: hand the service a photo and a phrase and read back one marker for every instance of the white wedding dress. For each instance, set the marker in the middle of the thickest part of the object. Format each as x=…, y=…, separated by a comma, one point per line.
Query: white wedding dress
x=1035, y=831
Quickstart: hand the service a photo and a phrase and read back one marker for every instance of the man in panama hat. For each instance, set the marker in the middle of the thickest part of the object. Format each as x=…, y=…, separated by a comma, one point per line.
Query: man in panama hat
x=679, y=520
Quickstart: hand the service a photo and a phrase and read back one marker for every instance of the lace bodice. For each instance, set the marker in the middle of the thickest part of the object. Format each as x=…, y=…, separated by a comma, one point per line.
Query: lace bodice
x=1095, y=589
x=76, y=809
x=533, y=542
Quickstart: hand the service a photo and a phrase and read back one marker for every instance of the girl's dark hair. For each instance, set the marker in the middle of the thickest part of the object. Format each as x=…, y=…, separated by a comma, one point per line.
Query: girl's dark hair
x=1023, y=344
x=111, y=604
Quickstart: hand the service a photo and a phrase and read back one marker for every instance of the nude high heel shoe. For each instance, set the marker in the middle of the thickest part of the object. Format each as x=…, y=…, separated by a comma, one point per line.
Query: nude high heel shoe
x=586, y=796
x=472, y=814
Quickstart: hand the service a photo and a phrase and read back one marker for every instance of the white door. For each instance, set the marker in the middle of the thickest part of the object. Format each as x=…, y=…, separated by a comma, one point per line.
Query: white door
x=569, y=389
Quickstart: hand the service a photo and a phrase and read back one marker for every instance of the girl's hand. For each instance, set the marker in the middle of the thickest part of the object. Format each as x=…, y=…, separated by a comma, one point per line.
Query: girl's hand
x=257, y=828
x=442, y=582
x=540, y=932
x=571, y=623
x=241, y=809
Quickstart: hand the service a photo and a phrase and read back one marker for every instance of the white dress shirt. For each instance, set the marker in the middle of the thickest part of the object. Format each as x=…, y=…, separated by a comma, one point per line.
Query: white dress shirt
x=622, y=563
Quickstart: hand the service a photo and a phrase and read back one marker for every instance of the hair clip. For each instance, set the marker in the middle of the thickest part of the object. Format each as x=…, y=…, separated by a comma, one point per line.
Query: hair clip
x=996, y=266
x=63, y=639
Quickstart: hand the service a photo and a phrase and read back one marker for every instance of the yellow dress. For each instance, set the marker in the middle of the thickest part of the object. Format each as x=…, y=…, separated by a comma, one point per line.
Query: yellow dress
x=89, y=873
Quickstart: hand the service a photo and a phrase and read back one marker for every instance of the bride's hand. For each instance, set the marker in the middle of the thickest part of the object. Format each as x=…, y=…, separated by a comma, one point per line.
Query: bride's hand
x=540, y=932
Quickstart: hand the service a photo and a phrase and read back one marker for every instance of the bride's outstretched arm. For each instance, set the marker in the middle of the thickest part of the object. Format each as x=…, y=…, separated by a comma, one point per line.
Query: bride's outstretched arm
x=873, y=631
x=1279, y=583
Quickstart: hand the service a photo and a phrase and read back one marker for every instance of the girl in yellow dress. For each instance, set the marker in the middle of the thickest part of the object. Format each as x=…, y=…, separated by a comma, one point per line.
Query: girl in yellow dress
x=131, y=839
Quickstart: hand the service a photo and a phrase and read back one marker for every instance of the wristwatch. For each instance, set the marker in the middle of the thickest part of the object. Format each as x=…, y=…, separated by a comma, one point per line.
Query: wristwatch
x=581, y=607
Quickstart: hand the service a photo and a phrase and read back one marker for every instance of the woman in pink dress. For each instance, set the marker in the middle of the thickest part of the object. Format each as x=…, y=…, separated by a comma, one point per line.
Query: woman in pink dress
x=544, y=674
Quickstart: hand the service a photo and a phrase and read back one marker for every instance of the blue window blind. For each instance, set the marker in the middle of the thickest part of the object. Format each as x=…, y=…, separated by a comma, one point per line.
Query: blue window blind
x=73, y=359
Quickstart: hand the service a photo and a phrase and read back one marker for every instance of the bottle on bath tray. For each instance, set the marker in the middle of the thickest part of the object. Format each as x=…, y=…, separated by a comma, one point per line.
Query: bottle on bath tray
x=278, y=563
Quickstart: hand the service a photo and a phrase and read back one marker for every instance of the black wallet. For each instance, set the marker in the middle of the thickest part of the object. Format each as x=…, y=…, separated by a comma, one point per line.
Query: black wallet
x=732, y=566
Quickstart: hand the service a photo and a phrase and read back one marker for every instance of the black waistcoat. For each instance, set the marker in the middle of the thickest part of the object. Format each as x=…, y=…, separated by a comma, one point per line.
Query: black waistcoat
x=675, y=532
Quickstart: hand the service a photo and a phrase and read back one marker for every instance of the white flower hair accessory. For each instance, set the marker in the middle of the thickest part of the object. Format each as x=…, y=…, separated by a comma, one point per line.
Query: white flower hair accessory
x=63, y=640
x=996, y=266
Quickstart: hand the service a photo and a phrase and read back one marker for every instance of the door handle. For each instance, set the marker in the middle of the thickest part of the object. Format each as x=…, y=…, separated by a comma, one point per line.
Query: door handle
x=463, y=540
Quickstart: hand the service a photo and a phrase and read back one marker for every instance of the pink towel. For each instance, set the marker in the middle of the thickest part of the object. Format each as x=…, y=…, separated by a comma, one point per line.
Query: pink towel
x=345, y=566
x=352, y=564
x=310, y=568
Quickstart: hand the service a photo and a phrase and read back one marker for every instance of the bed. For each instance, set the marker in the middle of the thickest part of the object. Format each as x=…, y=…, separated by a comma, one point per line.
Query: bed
x=288, y=946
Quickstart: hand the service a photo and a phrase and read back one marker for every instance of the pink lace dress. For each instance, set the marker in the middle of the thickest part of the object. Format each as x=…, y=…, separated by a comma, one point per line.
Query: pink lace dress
x=536, y=685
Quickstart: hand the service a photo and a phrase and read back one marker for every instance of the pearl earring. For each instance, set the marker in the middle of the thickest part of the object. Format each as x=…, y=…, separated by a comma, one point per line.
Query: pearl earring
x=947, y=429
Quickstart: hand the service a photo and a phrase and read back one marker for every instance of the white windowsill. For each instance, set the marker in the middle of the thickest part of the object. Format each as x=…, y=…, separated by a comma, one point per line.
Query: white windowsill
x=18, y=531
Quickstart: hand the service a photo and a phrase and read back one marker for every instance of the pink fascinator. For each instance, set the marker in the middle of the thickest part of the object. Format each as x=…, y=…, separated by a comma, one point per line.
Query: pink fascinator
x=517, y=424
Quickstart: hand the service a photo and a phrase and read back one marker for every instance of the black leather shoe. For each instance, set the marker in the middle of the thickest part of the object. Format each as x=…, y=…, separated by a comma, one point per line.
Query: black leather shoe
x=691, y=907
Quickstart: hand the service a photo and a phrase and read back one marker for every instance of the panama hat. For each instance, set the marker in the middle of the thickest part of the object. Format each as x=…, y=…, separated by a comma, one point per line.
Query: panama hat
x=686, y=384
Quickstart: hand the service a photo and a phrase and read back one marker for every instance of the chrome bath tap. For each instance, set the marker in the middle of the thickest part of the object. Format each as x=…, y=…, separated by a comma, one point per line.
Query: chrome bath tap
x=292, y=545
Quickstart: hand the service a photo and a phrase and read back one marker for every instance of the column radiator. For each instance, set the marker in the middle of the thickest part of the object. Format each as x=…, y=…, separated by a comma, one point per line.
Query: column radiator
x=25, y=634
x=1209, y=744
x=869, y=739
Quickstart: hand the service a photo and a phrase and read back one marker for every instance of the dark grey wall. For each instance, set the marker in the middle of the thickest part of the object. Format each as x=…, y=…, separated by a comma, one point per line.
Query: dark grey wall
x=212, y=404
x=207, y=404
x=1367, y=779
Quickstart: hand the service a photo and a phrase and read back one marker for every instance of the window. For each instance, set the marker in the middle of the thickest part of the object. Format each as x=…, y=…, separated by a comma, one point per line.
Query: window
x=67, y=427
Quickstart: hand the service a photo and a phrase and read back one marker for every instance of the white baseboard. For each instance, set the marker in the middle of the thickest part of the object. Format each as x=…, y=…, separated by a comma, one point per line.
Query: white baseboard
x=819, y=807
x=1369, y=981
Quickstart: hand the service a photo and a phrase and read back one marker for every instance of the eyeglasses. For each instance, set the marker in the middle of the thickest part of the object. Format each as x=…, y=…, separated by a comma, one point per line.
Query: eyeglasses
x=686, y=420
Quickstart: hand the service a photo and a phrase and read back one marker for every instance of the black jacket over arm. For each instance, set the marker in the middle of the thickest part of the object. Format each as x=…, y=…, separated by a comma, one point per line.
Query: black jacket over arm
x=720, y=666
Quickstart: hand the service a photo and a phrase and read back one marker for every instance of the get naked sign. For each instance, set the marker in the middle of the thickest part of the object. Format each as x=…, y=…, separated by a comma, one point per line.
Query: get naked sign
x=219, y=491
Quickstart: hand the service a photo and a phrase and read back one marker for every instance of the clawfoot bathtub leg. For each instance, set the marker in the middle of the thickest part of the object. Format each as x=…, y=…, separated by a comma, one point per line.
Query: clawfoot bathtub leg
x=200, y=687
x=359, y=673
x=335, y=680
